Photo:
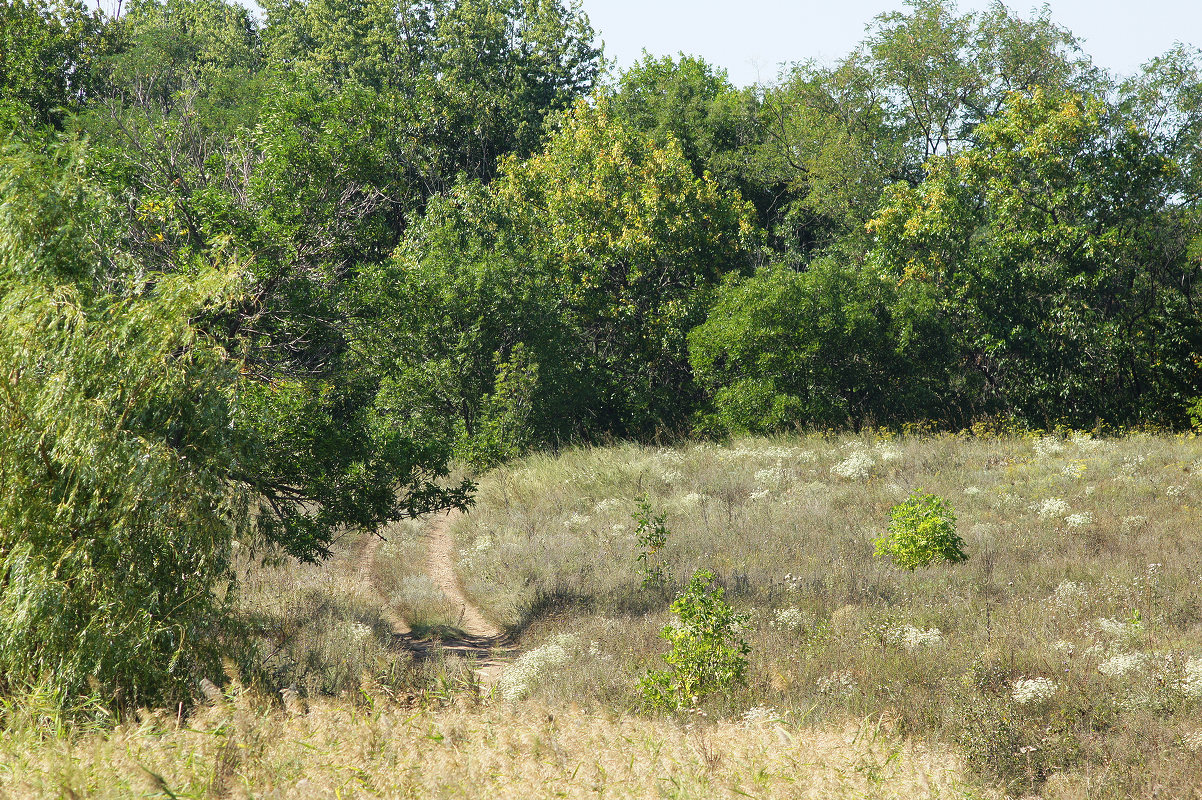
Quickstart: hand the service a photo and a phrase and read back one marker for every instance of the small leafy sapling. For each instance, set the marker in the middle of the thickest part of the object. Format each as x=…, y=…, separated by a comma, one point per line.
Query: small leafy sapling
x=708, y=652
x=922, y=531
x=652, y=536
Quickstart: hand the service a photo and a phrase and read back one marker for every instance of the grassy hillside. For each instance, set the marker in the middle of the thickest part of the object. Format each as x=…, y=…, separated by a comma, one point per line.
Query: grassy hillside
x=1065, y=655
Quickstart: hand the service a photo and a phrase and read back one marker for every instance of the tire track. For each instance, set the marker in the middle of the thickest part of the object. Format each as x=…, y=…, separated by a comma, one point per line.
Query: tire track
x=477, y=636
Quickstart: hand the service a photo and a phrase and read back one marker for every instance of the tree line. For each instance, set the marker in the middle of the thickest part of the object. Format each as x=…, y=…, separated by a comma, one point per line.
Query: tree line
x=264, y=279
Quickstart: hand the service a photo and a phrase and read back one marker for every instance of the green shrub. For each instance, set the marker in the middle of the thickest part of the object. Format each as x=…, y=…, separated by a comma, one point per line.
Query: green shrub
x=1194, y=410
x=825, y=347
x=923, y=530
x=708, y=654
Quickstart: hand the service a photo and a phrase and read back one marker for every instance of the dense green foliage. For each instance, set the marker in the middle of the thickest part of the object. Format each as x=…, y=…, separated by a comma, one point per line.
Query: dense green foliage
x=559, y=297
x=264, y=280
x=708, y=652
x=922, y=530
x=831, y=346
x=117, y=508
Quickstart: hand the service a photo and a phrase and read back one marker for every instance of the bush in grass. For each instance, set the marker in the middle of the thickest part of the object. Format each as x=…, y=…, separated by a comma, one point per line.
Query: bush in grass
x=708, y=653
x=922, y=531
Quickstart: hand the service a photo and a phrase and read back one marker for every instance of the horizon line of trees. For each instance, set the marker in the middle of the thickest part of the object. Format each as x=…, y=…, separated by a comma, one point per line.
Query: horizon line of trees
x=264, y=281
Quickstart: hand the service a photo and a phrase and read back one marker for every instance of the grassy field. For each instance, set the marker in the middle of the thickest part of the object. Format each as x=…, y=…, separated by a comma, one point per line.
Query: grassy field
x=1063, y=659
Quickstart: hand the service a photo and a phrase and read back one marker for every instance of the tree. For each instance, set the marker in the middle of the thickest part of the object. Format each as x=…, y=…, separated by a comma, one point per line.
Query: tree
x=597, y=255
x=170, y=49
x=47, y=53
x=832, y=346
x=143, y=436
x=918, y=86
x=693, y=102
x=1053, y=245
x=634, y=243
x=471, y=81
x=117, y=507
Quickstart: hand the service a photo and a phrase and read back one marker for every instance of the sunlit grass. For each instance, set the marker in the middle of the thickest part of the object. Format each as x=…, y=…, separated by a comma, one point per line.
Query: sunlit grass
x=1063, y=658
x=1057, y=656
x=246, y=747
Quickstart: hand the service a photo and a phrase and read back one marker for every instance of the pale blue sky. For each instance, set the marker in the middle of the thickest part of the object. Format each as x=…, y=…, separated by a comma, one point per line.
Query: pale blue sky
x=750, y=38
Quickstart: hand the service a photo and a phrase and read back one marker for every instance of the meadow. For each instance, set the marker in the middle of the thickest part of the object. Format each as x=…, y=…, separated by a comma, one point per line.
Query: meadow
x=1063, y=659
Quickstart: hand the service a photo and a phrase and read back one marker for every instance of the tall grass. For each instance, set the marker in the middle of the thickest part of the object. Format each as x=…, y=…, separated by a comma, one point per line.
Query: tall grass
x=242, y=746
x=319, y=628
x=1061, y=655
x=1063, y=658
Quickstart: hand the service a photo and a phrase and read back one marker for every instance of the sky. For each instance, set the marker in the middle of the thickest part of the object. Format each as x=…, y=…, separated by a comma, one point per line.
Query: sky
x=751, y=38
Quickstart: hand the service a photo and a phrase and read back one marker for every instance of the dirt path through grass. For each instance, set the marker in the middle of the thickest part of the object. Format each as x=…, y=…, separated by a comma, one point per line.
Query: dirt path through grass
x=440, y=567
x=474, y=635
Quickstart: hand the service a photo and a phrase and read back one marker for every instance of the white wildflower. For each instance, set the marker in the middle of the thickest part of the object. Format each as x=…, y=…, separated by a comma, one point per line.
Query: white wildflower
x=913, y=638
x=576, y=521
x=1052, y=507
x=856, y=466
x=1079, y=520
x=1112, y=627
x=1131, y=462
x=1069, y=594
x=887, y=452
x=838, y=684
x=608, y=504
x=1192, y=740
x=1122, y=663
x=1046, y=446
x=1191, y=683
x=792, y=618
x=972, y=490
x=1134, y=522
x=1032, y=690
x=770, y=475
x=669, y=476
x=1175, y=491
x=1065, y=648
x=759, y=494
x=669, y=456
x=758, y=715
x=691, y=499
x=1084, y=441
x=520, y=677
x=1074, y=470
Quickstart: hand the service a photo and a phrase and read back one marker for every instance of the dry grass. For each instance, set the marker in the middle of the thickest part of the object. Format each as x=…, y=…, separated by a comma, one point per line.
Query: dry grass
x=319, y=628
x=242, y=747
x=1084, y=571
x=1063, y=659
